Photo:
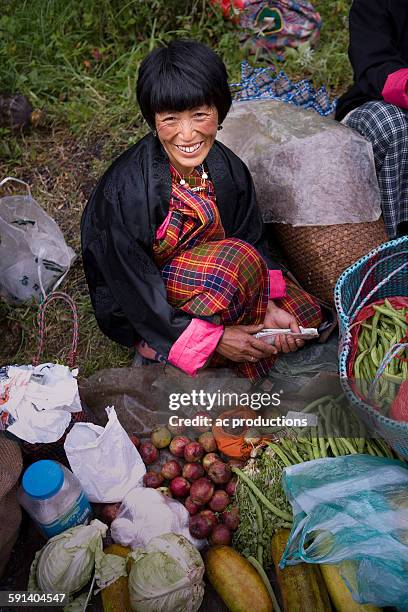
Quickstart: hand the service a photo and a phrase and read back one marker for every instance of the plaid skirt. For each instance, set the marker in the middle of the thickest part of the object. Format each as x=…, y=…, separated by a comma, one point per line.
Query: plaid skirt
x=386, y=127
x=229, y=278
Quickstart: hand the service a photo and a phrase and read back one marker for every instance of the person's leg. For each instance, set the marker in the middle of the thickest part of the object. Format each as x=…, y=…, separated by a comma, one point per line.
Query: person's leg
x=386, y=127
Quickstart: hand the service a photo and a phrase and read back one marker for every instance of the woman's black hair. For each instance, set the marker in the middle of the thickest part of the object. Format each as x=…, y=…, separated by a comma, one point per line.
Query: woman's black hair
x=181, y=76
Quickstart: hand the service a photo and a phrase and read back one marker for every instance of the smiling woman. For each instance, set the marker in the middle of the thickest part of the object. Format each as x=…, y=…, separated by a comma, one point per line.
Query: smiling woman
x=173, y=245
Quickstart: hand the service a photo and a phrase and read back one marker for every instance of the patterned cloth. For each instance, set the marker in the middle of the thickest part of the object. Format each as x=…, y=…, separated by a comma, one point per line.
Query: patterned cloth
x=207, y=274
x=265, y=84
x=273, y=25
x=386, y=127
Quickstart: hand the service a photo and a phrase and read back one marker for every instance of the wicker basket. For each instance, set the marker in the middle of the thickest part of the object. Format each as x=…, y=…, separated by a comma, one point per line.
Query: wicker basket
x=318, y=254
x=380, y=274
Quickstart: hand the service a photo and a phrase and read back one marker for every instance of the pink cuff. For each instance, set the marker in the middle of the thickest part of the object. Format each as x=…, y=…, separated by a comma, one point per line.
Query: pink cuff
x=195, y=345
x=161, y=232
x=395, y=88
x=277, y=285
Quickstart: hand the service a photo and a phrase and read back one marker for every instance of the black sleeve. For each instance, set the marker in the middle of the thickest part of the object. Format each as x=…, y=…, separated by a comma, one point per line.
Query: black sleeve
x=372, y=52
x=126, y=288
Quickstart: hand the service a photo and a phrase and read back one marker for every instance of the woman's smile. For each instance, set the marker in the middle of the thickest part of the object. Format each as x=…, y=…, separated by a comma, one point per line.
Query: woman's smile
x=189, y=149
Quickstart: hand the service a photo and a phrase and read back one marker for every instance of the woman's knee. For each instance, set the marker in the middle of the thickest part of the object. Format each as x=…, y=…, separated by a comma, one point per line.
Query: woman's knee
x=381, y=121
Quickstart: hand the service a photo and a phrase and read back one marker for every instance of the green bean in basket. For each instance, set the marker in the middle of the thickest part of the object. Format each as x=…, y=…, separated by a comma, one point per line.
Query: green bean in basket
x=378, y=334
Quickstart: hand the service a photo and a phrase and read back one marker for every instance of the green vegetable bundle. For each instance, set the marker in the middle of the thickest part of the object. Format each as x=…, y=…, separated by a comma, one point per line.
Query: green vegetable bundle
x=263, y=507
x=378, y=335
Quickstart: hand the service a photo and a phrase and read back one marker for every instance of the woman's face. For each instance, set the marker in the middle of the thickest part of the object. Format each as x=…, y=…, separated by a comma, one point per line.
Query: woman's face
x=187, y=136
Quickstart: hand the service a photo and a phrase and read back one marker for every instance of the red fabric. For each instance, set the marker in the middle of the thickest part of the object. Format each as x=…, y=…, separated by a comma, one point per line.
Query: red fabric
x=277, y=285
x=395, y=88
x=399, y=408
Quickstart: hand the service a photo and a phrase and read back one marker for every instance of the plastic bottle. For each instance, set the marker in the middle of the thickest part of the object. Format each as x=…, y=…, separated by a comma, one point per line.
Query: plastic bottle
x=53, y=497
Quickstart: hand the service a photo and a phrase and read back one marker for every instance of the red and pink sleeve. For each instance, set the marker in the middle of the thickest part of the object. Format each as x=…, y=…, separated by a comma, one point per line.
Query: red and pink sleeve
x=195, y=346
x=395, y=88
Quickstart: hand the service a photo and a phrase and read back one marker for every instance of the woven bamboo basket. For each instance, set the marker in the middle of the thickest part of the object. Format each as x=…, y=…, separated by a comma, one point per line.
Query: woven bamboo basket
x=318, y=254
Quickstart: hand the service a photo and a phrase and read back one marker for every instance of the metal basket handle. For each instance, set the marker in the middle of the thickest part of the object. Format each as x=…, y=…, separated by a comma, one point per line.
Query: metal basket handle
x=378, y=286
x=392, y=352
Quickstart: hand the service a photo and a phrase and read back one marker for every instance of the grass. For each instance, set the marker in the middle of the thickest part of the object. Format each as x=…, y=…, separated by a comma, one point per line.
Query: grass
x=77, y=62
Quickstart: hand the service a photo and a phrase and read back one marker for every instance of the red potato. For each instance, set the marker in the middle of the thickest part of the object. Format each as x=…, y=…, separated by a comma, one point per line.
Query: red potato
x=153, y=479
x=177, y=445
x=231, y=486
x=219, y=501
x=209, y=459
x=208, y=442
x=135, y=440
x=193, y=471
x=171, y=469
x=109, y=512
x=231, y=518
x=201, y=491
x=148, y=452
x=160, y=437
x=220, y=473
x=191, y=506
x=220, y=535
x=193, y=452
x=199, y=527
x=179, y=486
x=210, y=517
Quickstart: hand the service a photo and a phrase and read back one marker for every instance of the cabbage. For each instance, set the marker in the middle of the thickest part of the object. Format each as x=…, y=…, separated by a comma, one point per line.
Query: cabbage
x=167, y=576
x=67, y=562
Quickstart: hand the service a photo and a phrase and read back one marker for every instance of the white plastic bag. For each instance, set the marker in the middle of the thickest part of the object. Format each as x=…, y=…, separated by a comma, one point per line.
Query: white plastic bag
x=36, y=402
x=104, y=460
x=34, y=257
x=146, y=513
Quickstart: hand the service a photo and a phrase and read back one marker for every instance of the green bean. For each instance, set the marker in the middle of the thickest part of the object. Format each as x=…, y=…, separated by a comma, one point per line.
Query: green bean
x=261, y=572
x=316, y=403
x=333, y=446
x=261, y=496
x=280, y=453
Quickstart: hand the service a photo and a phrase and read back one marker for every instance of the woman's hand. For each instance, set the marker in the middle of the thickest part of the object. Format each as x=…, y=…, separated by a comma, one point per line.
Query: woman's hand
x=278, y=318
x=238, y=344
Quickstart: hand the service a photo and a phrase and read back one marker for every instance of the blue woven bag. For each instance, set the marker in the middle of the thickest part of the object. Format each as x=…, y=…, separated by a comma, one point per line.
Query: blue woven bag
x=380, y=274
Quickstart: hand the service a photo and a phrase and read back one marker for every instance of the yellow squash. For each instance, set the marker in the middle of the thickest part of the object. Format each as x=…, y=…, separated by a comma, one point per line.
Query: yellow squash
x=115, y=598
x=339, y=593
x=301, y=586
x=237, y=583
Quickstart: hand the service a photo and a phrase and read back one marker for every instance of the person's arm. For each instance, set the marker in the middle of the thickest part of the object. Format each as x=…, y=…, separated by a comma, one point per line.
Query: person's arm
x=130, y=300
x=379, y=68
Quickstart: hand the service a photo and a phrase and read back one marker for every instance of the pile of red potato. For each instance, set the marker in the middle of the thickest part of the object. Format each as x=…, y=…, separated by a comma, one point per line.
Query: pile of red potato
x=197, y=477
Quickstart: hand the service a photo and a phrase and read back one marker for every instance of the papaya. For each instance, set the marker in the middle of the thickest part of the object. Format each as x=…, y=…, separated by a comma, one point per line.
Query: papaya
x=301, y=586
x=339, y=593
x=115, y=597
x=235, y=580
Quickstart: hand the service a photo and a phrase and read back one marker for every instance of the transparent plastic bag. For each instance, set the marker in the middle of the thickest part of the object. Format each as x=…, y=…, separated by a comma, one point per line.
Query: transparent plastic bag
x=352, y=511
x=307, y=169
x=34, y=257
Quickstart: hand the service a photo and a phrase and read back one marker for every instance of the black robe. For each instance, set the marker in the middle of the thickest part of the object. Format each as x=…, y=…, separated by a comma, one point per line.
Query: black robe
x=118, y=229
x=378, y=47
